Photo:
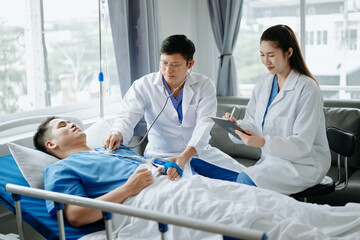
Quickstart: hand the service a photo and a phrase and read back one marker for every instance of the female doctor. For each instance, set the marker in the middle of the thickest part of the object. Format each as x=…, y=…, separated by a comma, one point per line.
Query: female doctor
x=183, y=128
x=285, y=118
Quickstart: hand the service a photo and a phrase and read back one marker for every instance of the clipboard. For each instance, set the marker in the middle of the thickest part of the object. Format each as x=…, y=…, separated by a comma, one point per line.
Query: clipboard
x=228, y=126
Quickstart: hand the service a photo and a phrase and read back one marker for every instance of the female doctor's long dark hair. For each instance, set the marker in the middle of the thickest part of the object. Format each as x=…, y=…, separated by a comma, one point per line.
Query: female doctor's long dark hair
x=285, y=39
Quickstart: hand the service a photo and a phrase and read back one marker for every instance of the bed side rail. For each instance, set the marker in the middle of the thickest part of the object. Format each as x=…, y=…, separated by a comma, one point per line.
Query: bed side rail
x=108, y=207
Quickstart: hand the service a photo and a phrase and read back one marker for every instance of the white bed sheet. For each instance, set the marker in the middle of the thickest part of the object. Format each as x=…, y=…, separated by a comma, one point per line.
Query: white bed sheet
x=233, y=204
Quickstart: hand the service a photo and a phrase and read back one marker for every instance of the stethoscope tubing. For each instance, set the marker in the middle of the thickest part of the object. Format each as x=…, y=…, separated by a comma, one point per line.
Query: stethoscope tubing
x=166, y=101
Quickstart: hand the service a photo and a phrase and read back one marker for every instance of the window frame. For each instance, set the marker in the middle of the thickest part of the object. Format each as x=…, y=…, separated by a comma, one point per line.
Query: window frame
x=315, y=38
x=36, y=82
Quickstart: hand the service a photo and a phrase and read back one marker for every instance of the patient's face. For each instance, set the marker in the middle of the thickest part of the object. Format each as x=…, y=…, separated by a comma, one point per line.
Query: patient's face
x=65, y=133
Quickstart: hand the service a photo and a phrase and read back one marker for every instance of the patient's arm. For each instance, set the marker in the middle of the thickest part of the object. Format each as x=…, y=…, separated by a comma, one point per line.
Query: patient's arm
x=79, y=216
x=180, y=160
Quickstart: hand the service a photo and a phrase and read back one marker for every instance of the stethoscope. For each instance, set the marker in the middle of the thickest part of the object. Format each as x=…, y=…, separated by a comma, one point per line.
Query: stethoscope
x=166, y=101
x=155, y=161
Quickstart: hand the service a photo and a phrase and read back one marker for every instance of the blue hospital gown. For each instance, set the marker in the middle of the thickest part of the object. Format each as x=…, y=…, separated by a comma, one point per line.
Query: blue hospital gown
x=88, y=174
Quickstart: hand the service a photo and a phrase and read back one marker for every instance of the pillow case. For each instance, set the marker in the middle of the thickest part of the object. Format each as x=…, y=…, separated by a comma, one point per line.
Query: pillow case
x=32, y=163
x=96, y=133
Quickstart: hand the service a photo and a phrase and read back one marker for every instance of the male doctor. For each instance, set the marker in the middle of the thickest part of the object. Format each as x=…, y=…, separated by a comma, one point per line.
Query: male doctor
x=183, y=129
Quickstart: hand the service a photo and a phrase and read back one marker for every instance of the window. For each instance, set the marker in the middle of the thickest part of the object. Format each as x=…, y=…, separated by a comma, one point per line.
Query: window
x=319, y=37
x=253, y=23
x=50, y=57
x=12, y=56
x=353, y=39
x=331, y=55
x=310, y=38
x=324, y=37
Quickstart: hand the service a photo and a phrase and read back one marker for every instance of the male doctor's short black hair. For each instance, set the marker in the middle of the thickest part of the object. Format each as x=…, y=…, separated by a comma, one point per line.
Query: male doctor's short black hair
x=178, y=44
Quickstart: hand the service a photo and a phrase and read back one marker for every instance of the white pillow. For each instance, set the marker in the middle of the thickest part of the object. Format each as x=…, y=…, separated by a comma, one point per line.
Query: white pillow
x=32, y=163
x=96, y=133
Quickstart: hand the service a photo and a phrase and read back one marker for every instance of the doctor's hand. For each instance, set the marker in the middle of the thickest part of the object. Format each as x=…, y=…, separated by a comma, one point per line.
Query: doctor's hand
x=229, y=117
x=113, y=140
x=252, y=139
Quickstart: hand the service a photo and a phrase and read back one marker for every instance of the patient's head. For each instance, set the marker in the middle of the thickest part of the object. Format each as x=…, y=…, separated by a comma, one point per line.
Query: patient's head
x=59, y=137
x=42, y=135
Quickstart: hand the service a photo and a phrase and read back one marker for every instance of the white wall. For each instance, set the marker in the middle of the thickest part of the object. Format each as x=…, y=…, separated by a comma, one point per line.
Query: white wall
x=191, y=18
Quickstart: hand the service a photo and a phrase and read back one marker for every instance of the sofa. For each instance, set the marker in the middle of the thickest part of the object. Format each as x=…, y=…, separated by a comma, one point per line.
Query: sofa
x=341, y=114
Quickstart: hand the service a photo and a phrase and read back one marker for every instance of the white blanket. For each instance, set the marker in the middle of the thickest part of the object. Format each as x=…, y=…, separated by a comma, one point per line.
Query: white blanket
x=233, y=204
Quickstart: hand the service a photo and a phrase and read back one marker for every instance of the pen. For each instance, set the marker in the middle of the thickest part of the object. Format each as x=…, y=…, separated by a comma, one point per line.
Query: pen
x=232, y=112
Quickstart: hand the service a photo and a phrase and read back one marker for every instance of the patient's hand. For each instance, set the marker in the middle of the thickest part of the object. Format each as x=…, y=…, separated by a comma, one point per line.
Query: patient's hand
x=180, y=161
x=139, y=180
x=113, y=140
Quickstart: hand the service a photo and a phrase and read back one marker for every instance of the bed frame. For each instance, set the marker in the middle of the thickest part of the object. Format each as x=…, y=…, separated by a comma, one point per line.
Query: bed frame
x=29, y=203
x=108, y=208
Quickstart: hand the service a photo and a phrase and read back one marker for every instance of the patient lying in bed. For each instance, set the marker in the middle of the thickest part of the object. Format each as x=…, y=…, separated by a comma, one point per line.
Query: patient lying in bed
x=87, y=173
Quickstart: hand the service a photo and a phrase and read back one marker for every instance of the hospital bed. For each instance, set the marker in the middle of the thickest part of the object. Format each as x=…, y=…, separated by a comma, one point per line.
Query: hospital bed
x=29, y=204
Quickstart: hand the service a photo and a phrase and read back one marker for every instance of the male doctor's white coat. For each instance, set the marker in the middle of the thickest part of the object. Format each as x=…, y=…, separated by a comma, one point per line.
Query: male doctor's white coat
x=296, y=153
x=168, y=137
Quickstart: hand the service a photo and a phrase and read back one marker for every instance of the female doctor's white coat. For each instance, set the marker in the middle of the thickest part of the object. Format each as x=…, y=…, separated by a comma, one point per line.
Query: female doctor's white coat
x=296, y=153
x=168, y=137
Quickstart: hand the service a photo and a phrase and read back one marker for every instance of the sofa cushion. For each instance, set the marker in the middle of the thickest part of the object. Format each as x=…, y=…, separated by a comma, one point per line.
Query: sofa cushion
x=245, y=161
